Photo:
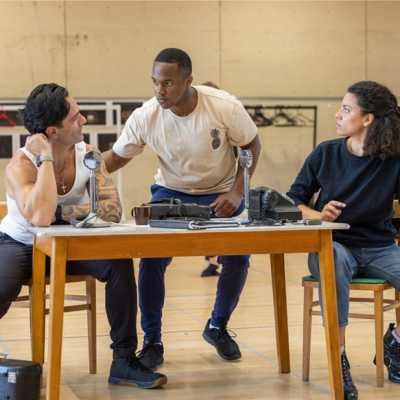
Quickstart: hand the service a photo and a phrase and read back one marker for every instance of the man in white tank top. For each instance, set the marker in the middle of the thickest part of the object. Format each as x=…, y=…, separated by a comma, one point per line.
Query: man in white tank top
x=193, y=130
x=46, y=180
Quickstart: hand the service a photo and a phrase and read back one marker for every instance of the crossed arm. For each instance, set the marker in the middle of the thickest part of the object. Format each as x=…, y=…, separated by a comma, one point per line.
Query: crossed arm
x=35, y=191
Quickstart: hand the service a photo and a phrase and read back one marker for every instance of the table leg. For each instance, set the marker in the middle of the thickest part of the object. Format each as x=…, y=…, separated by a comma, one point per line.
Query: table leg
x=280, y=311
x=331, y=323
x=57, y=288
x=38, y=293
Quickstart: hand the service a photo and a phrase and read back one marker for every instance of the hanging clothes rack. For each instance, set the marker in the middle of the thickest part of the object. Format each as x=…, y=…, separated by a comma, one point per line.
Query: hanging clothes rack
x=284, y=116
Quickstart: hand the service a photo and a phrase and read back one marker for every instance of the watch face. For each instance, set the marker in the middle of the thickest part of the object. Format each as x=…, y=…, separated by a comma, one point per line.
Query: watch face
x=40, y=159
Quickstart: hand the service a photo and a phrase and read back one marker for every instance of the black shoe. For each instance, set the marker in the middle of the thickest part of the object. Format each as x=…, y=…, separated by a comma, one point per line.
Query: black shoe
x=152, y=355
x=130, y=370
x=350, y=390
x=391, y=355
x=210, y=270
x=226, y=347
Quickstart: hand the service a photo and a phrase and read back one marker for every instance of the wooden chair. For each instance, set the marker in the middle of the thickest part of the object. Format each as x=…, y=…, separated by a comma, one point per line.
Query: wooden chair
x=381, y=304
x=85, y=302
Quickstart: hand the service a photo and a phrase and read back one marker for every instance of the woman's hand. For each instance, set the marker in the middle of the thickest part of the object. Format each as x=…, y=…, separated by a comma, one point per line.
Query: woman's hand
x=332, y=210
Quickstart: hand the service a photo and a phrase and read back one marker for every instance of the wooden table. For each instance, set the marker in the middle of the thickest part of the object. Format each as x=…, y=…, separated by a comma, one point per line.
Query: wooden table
x=64, y=243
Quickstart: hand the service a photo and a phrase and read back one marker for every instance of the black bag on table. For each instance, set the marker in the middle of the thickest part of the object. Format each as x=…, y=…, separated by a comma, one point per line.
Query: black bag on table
x=175, y=208
x=19, y=379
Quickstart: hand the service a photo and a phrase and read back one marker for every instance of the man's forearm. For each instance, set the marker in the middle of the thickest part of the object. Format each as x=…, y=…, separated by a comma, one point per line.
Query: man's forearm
x=106, y=209
x=113, y=162
x=108, y=203
x=42, y=202
x=70, y=213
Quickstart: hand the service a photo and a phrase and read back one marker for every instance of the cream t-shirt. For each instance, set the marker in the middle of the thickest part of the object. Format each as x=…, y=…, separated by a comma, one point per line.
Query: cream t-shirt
x=195, y=152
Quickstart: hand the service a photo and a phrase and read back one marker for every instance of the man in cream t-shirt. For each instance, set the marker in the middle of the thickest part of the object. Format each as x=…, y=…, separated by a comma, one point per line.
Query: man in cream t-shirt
x=193, y=130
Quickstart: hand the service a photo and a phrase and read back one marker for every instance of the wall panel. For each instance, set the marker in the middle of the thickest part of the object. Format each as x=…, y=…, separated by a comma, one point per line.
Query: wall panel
x=383, y=43
x=286, y=48
x=111, y=49
x=31, y=46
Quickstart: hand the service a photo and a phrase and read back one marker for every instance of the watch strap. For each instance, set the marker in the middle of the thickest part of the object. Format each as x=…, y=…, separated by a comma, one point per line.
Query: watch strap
x=40, y=158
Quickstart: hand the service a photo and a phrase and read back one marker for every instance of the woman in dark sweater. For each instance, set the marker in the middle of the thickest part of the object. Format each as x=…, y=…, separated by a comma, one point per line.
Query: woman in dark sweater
x=357, y=177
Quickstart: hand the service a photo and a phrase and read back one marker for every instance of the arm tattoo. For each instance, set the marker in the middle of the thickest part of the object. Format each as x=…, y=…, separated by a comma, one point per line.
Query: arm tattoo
x=108, y=203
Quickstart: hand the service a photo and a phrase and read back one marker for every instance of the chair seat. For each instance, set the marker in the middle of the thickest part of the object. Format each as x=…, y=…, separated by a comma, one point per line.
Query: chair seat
x=376, y=288
x=372, y=281
x=85, y=301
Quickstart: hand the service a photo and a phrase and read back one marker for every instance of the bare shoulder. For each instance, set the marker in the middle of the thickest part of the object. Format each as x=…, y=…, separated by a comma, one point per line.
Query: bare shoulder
x=19, y=171
x=21, y=164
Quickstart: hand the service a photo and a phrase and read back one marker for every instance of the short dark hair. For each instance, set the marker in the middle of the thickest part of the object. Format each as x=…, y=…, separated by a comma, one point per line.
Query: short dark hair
x=175, y=56
x=383, y=136
x=46, y=106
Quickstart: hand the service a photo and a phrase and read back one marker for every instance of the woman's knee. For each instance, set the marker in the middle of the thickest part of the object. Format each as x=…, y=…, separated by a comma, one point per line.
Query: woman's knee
x=313, y=264
x=344, y=264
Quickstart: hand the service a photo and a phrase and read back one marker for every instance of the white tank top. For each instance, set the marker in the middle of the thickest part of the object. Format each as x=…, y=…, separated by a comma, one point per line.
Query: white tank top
x=14, y=223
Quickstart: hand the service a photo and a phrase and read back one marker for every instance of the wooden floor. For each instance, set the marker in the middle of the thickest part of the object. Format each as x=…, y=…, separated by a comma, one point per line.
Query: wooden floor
x=193, y=368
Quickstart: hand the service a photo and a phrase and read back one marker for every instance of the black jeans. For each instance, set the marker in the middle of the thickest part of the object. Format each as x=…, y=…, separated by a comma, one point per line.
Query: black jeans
x=120, y=299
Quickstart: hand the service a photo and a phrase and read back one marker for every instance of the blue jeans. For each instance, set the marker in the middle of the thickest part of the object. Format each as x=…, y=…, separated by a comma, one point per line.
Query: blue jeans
x=151, y=276
x=367, y=262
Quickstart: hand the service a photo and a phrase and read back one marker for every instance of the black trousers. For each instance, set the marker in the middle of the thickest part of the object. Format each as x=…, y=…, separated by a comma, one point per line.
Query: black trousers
x=120, y=296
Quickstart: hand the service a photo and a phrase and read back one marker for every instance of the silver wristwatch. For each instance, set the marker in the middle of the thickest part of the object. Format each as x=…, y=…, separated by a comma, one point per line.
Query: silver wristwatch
x=40, y=158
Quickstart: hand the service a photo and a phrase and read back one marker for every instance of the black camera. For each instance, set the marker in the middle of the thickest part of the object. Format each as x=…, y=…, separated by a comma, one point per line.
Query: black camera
x=175, y=208
x=266, y=204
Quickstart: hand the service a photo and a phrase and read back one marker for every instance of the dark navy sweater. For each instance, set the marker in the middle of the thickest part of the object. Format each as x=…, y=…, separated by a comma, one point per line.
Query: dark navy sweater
x=366, y=185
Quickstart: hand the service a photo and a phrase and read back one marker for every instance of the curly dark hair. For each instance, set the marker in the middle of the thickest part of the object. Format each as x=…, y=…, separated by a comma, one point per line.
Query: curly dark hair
x=175, y=56
x=383, y=136
x=46, y=106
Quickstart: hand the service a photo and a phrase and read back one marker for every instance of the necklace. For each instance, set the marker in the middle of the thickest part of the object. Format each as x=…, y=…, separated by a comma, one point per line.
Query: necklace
x=63, y=186
x=61, y=180
x=60, y=174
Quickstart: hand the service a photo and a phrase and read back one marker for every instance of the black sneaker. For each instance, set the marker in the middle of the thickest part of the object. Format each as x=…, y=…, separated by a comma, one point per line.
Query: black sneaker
x=210, y=270
x=391, y=355
x=152, y=355
x=350, y=390
x=131, y=371
x=226, y=347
